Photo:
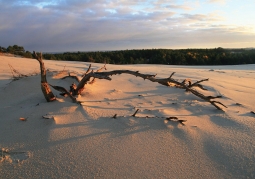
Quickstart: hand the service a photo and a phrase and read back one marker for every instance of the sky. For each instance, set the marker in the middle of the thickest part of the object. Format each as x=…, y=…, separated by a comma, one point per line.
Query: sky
x=98, y=25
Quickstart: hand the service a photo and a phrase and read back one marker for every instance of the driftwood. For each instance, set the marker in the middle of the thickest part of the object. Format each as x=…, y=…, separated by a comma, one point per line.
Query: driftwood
x=49, y=96
x=99, y=70
x=165, y=81
x=64, y=91
x=71, y=76
x=76, y=90
x=135, y=113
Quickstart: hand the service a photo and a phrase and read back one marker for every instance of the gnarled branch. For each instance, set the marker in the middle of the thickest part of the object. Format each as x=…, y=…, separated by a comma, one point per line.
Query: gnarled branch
x=64, y=91
x=71, y=76
x=164, y=81
x=105, y=75
x=49, y=96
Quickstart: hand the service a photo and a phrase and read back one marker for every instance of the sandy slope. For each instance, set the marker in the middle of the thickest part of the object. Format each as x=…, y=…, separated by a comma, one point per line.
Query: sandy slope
x=86, y=142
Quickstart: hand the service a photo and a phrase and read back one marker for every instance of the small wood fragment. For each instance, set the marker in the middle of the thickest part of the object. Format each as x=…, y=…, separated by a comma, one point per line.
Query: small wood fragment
x=170, y=118
x=182, y=122
x=23, y=119
x=48, y=117
x=135, y=113
x=171, y=75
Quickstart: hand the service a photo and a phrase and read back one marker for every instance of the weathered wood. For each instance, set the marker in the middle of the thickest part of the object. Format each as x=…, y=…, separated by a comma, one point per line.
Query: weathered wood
x=86, y=78
x=172, y=119
x=171, y=75
x=49, y=96
x=64, y=91
x=99, y=70
x=165, y=81
x=71, y=76
x=88, y=70
x=135, y=113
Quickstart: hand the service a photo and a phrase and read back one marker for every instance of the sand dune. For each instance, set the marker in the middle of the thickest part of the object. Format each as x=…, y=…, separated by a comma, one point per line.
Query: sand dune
x=84, y=141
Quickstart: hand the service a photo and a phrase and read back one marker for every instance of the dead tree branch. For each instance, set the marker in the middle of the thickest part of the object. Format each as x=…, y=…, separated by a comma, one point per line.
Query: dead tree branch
x=49, y=96
x=71, y=76
x=165, y=81
x=171, y=75
x=86, y=79
x=99, y=70
x=172, y=119
x=88, y=70
x=135, y=113
x=16, y=74
x=64, y=91
x=105, y=75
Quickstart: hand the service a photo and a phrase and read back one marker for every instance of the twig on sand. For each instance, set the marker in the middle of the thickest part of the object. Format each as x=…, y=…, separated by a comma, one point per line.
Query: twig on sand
x=135, y=113
x=172, y=119
x=16, y=74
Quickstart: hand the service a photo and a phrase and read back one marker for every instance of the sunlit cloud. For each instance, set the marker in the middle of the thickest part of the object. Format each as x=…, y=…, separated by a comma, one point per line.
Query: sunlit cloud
x=217, y=1
x=108, y=25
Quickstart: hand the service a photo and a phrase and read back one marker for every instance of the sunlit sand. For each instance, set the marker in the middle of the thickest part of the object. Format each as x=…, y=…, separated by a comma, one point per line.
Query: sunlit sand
x=62, y=139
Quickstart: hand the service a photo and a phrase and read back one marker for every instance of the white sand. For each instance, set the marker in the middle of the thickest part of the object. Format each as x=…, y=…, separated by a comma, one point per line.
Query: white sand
x=86, y=142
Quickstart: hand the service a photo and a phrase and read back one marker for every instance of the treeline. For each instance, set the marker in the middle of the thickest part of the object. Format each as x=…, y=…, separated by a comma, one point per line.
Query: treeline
x=16, y=50
x=216, y=56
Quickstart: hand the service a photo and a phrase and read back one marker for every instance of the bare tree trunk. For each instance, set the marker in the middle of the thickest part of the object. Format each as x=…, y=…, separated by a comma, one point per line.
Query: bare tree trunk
x=49, y=96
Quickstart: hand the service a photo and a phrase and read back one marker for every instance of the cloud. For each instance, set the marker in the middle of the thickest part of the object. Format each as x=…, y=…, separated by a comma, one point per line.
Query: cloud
x=107, y=25
x=217, y=1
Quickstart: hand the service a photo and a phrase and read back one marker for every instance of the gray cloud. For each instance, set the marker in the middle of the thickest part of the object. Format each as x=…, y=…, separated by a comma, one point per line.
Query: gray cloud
x=107, y=25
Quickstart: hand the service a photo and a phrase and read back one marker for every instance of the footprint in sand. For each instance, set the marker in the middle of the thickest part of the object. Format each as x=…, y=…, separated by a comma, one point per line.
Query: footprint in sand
x=13, y=157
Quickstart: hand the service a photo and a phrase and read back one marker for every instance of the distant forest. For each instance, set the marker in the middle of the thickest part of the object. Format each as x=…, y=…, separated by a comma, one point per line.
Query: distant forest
x=216, y=56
